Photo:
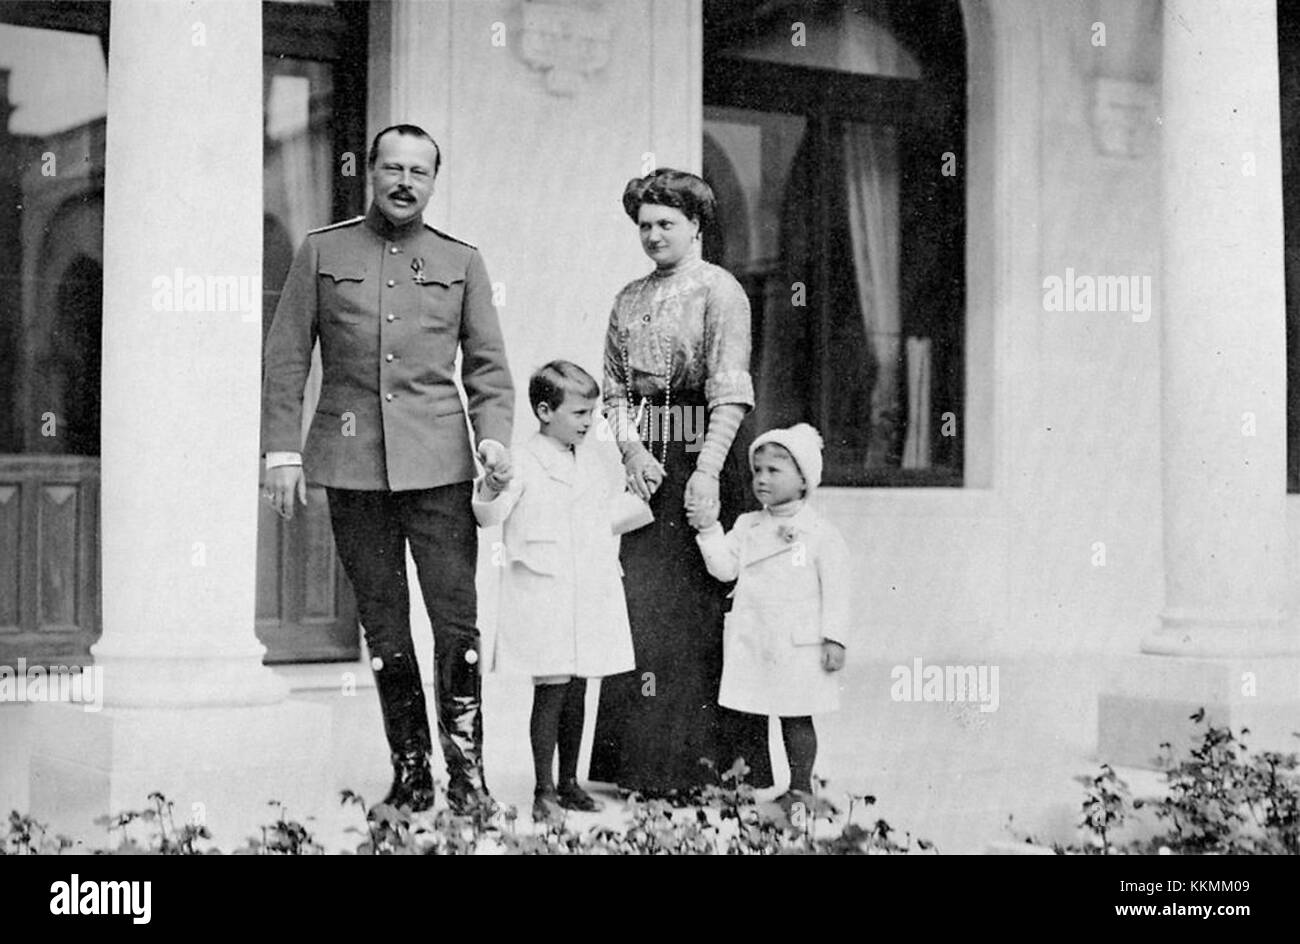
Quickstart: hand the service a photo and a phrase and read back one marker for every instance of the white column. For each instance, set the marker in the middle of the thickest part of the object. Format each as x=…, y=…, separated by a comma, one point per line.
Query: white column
x=1223, y=643
x=189, y=710
x=1223, y=334
x=182, y=215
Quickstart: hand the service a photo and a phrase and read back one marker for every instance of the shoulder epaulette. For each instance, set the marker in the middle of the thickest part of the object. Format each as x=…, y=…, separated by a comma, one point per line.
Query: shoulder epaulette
x=449, y=236
x=325, y=229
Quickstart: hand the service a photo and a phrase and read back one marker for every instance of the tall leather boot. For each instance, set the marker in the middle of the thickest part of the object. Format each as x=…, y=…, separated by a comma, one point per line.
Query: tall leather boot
x=460, y=727
x=406, y=724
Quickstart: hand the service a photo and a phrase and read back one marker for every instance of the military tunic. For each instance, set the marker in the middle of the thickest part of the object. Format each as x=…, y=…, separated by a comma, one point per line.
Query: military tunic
x=390, y=305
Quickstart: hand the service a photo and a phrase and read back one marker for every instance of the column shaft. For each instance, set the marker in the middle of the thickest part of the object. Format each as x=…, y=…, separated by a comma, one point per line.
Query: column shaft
x=1223, y=334
x=181, y=373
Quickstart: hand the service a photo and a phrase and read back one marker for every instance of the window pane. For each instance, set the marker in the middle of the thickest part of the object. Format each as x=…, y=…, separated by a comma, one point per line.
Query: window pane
x=848, y=263
x=845, y=39
x=298, y=169
x=824, y=147
x=53, y=99
x=1288, y=48
x=749, y=159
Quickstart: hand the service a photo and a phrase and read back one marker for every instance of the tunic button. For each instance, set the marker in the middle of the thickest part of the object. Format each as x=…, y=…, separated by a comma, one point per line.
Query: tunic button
x=391, y=317
x=391, y=283
x=388, y=357
x=393, y=250
x=388, y=396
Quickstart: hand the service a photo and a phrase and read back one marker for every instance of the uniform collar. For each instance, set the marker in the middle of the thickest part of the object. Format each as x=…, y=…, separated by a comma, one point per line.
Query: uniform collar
x=386, y=230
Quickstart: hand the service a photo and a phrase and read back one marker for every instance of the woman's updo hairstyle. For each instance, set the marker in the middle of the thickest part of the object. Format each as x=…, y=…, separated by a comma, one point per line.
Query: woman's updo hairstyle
x=670, y=188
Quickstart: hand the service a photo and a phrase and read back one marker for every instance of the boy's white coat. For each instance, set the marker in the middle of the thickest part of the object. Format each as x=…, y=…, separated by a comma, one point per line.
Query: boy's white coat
x=562, y=609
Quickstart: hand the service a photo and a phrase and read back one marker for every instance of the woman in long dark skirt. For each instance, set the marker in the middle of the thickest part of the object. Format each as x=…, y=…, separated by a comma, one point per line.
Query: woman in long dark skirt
x=677, y=390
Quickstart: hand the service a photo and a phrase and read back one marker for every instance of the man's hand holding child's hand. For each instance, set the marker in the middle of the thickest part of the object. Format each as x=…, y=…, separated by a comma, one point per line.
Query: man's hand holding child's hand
x=832, y=656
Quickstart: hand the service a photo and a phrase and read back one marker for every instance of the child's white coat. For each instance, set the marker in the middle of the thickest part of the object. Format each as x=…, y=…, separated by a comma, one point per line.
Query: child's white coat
x=562, y=609
x=793, y=592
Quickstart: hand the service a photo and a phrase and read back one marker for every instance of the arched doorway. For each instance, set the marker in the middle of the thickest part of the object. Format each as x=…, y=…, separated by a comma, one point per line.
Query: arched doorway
x=73, y=357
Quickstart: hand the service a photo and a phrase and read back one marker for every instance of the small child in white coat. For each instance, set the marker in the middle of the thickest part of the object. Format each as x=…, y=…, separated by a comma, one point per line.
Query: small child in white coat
x=562, y=616
x=786, y=634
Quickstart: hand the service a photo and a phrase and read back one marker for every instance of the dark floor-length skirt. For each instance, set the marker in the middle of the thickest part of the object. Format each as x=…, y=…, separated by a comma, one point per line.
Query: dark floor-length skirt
x=656, y=725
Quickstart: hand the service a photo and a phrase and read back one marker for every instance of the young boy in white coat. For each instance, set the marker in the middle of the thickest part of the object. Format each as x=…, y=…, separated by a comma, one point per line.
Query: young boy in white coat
x=786, y=634
x=562, y=617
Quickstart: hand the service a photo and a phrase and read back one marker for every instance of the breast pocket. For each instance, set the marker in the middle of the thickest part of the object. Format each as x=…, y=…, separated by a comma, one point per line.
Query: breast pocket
x=441, y=296
x=343, y=295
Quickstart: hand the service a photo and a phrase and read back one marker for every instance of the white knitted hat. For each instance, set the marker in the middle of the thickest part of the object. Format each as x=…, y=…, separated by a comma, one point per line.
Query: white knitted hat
x=804, y=443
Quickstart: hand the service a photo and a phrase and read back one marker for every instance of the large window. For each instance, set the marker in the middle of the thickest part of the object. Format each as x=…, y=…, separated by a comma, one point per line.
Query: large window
x=53, y=98
x=834, y=137
x=1288, y=48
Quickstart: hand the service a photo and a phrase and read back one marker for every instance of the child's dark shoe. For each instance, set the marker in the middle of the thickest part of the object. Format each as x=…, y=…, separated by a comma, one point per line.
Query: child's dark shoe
x=793, y=800
x=547, y=806
x=573, y=797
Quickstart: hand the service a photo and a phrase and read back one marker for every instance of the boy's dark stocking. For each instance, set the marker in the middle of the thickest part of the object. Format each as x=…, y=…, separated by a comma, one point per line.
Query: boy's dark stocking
x=543, y=730
x=572, y=716
x=801, y=749
x=572, y=796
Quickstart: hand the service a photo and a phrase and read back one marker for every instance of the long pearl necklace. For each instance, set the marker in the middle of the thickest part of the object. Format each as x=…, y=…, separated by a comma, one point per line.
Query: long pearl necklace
x=642, y=418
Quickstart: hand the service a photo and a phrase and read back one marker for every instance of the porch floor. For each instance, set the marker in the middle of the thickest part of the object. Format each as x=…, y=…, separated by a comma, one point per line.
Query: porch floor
x=942, y=771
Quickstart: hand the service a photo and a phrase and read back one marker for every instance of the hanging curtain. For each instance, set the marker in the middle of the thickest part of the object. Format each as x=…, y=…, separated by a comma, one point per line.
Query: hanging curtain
x=871, y=185
x=783, y=376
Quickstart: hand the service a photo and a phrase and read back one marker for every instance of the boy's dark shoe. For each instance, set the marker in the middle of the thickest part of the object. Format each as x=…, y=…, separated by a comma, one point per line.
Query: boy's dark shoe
x=547, y=807
x=573, y=797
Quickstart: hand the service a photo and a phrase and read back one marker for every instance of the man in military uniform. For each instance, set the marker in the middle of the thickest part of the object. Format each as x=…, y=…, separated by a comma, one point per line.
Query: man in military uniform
x=391, y=300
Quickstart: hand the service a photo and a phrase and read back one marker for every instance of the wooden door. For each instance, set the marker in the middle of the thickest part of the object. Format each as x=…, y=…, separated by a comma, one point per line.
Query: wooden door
x=314, y=90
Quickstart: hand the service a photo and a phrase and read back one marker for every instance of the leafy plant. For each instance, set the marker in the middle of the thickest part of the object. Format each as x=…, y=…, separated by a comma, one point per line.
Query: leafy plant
x=166, y=839
x=283, y=837
x=26, y=836
x=1106, y=807
x=1221, y=800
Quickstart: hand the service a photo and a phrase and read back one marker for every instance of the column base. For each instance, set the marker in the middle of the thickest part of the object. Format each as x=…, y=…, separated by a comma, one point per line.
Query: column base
x=221, y=764
x=134, y=676
x=1150, y=699
x=1206, y=636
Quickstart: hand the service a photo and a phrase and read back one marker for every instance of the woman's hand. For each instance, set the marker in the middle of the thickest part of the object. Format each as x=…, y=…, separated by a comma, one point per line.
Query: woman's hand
x=701, y=492
x=644, y=473
x=703, y=518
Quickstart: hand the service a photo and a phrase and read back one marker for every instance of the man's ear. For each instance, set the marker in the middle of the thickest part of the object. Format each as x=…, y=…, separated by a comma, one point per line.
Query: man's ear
x=544, y=412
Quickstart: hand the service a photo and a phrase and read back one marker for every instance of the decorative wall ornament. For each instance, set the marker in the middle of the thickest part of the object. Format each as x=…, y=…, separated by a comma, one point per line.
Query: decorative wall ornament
x=568, y=40
x=1117, y=46
x=1123, y=116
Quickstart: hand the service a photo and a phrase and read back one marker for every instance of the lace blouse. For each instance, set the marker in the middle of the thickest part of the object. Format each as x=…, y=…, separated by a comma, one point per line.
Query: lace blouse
x=695, y=313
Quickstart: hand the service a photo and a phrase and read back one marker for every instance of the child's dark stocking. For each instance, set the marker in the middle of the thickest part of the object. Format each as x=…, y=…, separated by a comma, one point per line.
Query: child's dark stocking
x=801, y=749
x=572, y=717
x=544, y=729
x=572, y=796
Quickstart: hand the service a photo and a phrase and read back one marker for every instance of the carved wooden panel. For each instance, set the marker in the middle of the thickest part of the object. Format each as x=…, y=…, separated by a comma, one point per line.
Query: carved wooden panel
x=305, y=608
x=49, y=559
x=10, y=545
